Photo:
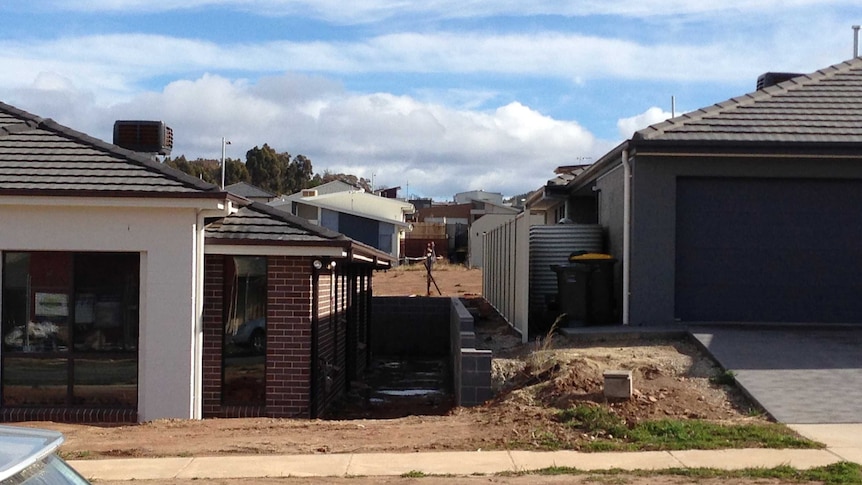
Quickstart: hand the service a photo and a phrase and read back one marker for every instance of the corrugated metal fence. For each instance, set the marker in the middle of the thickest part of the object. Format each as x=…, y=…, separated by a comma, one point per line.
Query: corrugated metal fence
x=552, y=245
x=517, y=276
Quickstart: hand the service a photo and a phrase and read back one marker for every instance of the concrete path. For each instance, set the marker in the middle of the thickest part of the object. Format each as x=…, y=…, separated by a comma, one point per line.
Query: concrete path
x=798, y=375
x=442, y=463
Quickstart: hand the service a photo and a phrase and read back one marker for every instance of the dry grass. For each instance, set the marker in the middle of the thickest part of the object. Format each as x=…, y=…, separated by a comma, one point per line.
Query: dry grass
x=439, y=265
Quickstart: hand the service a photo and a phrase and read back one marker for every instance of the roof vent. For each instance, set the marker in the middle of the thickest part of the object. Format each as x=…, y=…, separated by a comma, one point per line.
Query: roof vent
x=144, y=136
x=772, y=78
x=309, y=193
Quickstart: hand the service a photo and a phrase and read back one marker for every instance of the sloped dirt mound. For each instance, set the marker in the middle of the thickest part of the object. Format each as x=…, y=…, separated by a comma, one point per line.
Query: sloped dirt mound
x=670, y=379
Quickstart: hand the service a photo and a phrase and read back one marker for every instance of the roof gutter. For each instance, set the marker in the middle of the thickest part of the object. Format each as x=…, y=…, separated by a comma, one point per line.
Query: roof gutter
x=604, y=164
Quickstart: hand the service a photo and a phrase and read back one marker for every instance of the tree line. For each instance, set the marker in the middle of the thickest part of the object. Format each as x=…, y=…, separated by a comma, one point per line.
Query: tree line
x=278, y=173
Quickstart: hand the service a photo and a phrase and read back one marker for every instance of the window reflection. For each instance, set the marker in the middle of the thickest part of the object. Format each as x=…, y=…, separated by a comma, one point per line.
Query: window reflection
x=105, y=382
x=244, y=349
x=58, y=310
x=35, y=382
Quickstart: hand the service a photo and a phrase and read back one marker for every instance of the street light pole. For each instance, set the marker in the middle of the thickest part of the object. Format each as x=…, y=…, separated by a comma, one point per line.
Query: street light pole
x=223, y=144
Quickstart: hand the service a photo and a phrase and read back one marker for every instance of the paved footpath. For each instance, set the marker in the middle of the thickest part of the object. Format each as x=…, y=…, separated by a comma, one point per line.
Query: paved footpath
x=844, y=443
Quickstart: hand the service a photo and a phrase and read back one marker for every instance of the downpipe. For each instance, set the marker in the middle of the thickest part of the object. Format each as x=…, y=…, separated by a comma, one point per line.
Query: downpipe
x=627, y=232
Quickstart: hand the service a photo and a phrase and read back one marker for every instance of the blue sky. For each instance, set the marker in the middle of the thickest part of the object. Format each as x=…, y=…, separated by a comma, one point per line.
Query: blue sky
x=441, y=96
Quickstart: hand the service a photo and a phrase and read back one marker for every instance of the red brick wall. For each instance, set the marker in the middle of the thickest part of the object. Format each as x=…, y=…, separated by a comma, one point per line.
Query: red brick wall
x=331, y=339
x=289, y=336
x=212, y=329
x=288, y=345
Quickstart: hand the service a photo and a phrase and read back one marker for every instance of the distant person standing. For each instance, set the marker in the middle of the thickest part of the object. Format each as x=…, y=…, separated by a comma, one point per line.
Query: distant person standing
x=430, y=257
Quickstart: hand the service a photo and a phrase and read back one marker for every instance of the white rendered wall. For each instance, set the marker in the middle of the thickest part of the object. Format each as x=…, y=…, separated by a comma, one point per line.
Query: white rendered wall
x=476, y=238
x=164, y=237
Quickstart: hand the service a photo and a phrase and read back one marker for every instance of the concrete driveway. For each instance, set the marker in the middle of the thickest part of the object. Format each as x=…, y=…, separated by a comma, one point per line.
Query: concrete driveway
x=800, y=375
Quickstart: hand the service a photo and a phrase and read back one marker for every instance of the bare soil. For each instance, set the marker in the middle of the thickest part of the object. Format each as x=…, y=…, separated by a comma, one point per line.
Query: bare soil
x=534, y=381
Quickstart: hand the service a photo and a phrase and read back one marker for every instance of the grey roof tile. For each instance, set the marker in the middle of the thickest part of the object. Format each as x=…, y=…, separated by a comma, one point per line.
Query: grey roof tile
x=262, y=223
x=247, y=190
x=40, y=156
x=822, y=107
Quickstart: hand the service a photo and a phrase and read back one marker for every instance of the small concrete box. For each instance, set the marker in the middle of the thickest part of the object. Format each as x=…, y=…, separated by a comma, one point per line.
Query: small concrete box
x=618, y=384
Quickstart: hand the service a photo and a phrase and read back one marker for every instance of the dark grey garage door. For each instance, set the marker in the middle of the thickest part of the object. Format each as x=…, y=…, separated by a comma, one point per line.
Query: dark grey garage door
x=769, y=250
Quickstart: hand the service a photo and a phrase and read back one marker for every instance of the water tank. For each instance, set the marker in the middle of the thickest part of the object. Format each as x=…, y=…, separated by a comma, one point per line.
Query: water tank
x=553, y=244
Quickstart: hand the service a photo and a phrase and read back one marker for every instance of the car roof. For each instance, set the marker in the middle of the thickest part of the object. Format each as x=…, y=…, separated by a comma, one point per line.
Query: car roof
x=21, y=447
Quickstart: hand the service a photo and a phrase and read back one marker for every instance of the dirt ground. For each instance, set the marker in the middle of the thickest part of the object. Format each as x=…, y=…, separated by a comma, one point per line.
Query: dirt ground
x=534, y=381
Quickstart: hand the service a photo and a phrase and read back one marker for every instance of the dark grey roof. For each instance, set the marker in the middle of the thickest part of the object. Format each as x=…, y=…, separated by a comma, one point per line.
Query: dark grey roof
x=822, y=107
x=261, y=223
x=41, y=157
x=248, y=191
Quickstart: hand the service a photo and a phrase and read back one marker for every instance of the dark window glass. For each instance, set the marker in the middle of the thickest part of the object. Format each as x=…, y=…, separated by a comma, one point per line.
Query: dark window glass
x=244, y=348
x=106, y=302
x=30, y=381
x=104, y=382
x=66, y=318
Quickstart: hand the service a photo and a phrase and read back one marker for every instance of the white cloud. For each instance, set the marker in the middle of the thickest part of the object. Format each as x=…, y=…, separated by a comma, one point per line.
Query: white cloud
x=627, y=126
x=116, y=65
x=364, y=11
x=436, y=150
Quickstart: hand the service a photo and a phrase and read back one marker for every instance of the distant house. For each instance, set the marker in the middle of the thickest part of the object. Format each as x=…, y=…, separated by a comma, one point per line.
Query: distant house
x=388, y=193
x=746, y=211
x=552, y=200
x=460, y=243
x=250, y=192
x=132, y=291
x=478, y=195
x=376, y=221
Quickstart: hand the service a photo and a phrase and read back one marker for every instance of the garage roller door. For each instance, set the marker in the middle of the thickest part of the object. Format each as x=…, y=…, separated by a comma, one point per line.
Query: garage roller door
x=769, y=250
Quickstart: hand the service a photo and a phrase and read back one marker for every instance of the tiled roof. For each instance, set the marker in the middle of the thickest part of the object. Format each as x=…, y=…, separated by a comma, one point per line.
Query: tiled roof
x=822, y=107
x=261, y=223
x=41, y=157
x=248, y=191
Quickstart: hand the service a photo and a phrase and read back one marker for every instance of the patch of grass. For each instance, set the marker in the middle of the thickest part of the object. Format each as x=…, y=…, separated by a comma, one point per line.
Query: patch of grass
x=835, y=474
x=439, y=265
x=414, y=474
x=612, y=433
x=74, y=455
x=726, y=378
x=593, y=419
x=755, y=412
x=548, y=441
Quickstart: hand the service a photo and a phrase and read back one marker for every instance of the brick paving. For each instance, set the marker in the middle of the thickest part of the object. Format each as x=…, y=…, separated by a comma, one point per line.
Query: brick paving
x=800, y=375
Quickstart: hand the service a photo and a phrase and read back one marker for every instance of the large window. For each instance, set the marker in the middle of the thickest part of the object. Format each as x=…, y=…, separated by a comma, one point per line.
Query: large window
x=244, y=348
x=70, y=329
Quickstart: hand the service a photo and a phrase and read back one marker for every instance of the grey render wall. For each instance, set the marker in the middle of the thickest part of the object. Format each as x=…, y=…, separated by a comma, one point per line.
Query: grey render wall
x=415, y=327
x=653, y=251
x=471, y=367
x=610, y=211
x=434, y=327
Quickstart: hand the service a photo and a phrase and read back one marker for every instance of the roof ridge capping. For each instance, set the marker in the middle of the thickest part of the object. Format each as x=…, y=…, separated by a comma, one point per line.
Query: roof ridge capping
x=20, y=113
x=656, y=130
